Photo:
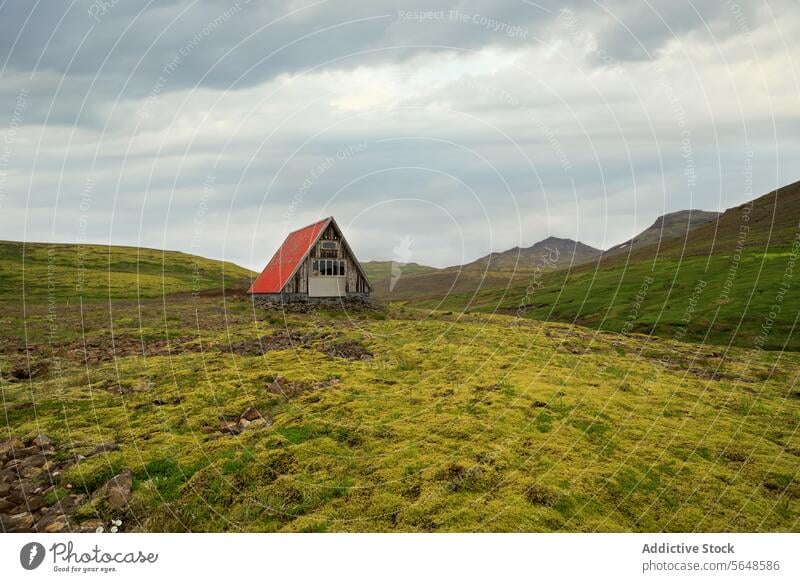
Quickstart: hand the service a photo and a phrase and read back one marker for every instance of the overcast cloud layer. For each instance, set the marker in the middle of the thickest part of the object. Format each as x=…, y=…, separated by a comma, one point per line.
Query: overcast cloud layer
x=217, y=127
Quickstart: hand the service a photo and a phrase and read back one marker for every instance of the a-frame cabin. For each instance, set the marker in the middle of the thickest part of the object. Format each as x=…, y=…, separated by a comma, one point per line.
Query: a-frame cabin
x=314, y=263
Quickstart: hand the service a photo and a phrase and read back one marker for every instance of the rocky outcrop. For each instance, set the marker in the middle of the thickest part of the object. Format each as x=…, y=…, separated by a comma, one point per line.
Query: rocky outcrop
x=30, y=497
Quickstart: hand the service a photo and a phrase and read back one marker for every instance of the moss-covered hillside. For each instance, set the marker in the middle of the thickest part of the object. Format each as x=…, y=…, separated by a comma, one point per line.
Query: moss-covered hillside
x=229, y=418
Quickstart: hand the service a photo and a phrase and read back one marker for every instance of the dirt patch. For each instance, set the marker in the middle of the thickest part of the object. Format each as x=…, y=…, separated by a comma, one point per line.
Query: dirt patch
x=282, y=340
x=98, y=350
x=705, y=366
x=349, y=350
x=541, y=495
x=24, y=371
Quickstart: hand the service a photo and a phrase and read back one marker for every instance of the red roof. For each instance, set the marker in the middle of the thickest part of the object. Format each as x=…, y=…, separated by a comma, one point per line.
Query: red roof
x=285, y=262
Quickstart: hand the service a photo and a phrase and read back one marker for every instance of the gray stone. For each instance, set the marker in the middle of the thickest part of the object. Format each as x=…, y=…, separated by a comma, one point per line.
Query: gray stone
x=52, y=522
x=34, y=461
x=20, y=522
x=30, y=472
x=35, y=503
x=9, y=446
x=118, y=489
x=42, y=441
x=230, y=427
x=251, y=414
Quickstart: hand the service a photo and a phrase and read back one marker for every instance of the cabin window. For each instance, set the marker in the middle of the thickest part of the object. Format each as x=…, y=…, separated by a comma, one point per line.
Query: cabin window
x=329, y=268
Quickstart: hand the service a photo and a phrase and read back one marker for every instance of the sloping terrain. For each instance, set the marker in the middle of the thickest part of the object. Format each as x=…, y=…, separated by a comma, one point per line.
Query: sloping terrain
x=203, y=415
x=675, y=224
x=59, y=272
x=497, y=271
x=494, y=271
x=558, y=252
x=384, y=274
x=733, y=280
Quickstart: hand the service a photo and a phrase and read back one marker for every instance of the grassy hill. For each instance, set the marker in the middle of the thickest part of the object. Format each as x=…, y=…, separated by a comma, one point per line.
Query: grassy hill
x=494, y=271
x=233, y=420
x=675, y=224
x=101, y=272
x=379, y=270
x=733, y=280
x=229, y=418
x=499, y=271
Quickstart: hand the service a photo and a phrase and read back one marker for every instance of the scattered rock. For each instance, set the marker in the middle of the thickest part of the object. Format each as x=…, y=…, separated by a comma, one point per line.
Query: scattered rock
x=52, y=523
x=118, y=489
x=35, y=503
x=20, y=492
x=282, y=340
x=251, y=414
x=19, y=522
x=34, y=461
x=42, y=441
x=90, y=526
x=8, y=447
x=230, y=427
x=30, y=472
x=24, y=494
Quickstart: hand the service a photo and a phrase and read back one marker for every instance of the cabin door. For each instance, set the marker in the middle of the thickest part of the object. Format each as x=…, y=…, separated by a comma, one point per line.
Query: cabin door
x=326, y=286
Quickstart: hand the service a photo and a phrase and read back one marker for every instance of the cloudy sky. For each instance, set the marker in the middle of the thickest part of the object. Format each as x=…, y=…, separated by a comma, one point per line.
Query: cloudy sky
x=215, y=127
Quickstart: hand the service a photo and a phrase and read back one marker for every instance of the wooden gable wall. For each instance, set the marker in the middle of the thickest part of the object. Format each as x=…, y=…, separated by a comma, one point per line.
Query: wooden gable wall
x=355, y=281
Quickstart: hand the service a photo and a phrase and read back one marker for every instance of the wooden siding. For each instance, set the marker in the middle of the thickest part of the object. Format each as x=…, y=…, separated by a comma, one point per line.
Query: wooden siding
x=355, y=281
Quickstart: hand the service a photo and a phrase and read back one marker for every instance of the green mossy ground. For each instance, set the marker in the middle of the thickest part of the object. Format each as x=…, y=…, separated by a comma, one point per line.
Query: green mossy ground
x=720, y=299
x=457, y=423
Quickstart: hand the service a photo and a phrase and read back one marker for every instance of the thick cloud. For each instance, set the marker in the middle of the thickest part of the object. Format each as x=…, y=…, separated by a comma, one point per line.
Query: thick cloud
x=464, y=126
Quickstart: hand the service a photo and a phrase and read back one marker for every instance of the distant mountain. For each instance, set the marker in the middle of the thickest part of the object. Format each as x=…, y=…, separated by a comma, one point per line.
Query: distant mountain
x=730, y=280
x=675, y=224
x=493, y=271
x=550, y=253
